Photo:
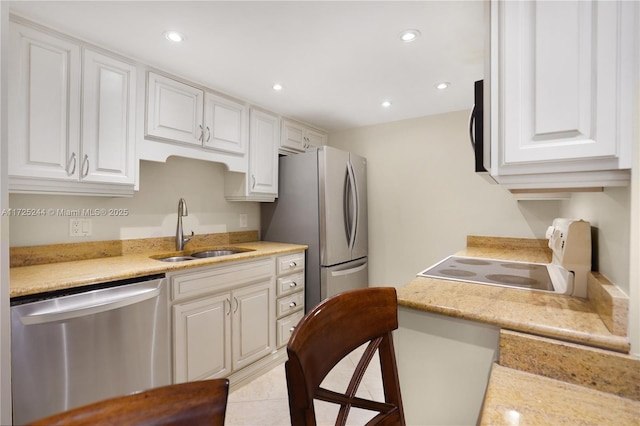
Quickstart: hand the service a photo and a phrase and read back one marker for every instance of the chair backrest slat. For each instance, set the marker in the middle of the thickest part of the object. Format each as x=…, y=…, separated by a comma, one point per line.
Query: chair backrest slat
x=330, y=332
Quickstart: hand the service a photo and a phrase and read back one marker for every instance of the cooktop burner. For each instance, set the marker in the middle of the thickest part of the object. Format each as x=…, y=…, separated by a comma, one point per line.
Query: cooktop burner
x=533, y=276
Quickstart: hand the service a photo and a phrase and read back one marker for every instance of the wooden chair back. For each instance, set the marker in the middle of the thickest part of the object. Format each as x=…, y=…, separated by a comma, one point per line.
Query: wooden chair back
x=330, y=332
x=194, y=403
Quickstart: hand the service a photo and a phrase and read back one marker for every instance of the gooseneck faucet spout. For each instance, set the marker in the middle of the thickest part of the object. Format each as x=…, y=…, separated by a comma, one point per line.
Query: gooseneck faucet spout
x=181, y=240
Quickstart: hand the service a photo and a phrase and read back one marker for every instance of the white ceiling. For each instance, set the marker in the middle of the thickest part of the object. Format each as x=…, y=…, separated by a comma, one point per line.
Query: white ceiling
x=338, y=60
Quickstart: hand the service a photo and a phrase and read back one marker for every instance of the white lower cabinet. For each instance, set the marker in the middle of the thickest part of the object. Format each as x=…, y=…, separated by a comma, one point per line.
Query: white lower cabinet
x=290, y=294
x=202, y=339
x=223, y=318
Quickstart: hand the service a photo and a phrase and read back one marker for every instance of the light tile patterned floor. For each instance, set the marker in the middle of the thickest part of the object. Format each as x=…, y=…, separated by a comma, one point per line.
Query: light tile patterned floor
x=263, y=402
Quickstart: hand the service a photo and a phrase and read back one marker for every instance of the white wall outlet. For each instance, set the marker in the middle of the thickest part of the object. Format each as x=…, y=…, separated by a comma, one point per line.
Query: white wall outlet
x=79, y=227
x=243, y=220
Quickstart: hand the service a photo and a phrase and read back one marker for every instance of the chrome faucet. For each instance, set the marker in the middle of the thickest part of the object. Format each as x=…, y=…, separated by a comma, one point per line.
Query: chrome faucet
x=181, y=240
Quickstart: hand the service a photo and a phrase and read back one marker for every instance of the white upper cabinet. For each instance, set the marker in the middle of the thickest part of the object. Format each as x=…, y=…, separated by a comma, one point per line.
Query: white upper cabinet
x=174, y=110
x=225, y=124
x=261, y=183
x=108, y=120
x=44, y=105
x=561, y=91
x=297, y=137
x=59, y=140
x=182, y=113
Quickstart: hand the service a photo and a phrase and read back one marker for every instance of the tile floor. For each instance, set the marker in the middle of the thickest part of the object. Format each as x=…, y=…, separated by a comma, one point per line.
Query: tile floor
x=263, y=402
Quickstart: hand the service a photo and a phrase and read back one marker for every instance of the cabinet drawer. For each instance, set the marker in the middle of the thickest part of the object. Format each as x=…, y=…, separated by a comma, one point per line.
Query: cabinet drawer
x=285, y=327
x=290, y=284
x=290, y=263
x=216, y=278
x=290, y=304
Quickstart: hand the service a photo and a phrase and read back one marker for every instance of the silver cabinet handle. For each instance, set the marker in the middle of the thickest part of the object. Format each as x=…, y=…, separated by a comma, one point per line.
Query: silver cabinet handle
x=253, y=178
x=237, y=304
x=208, y=133
x=292, y=264
x=201, y=137
x=293, y=304
x=229, y=302
x=85, y=166
x=71, y=159
x=293, y=284
x=292, y=329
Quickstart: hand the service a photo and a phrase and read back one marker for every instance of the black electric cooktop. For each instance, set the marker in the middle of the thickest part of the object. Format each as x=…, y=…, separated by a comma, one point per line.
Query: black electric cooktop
x=532, y=276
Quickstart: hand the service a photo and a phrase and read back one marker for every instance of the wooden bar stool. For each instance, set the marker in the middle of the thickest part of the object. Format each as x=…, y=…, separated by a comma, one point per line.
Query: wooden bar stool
x=194, y=403
x=330, y=332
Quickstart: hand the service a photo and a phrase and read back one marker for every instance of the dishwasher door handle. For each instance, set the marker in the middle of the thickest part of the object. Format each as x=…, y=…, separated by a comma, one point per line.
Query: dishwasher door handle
x=91, y=306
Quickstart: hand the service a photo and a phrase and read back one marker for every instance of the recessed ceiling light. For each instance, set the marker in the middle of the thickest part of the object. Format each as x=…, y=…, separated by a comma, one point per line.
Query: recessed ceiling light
x=174, y=36
x=386, y=104
x=443, y=85
x=409, y=35
x=277, y=87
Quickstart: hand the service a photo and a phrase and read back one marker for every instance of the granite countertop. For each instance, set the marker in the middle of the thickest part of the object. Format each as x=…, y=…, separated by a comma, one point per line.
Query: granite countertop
x=563, y=360
x=541, y=381
x=545, y=314
x=45, y=277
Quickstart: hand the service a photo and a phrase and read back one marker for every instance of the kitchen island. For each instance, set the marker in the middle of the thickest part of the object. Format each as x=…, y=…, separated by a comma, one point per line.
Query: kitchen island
x=450, y=333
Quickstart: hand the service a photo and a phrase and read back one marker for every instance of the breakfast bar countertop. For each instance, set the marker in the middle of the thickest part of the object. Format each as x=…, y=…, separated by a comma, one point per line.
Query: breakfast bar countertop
x=546, y=314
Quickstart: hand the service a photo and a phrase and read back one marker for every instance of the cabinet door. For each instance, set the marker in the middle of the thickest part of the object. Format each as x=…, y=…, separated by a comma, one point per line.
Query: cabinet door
x=202, y=339
x=561, y=77
x=174, y=110
x=315, y=139
x=225, y=124
x=293, y=137
x=108, y=120
x=263, y=153
x=253, y=323
x=44, y=105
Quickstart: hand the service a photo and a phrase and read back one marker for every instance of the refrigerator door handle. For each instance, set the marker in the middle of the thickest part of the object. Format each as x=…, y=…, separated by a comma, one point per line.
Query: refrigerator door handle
x=349, y=271
x=351, y=198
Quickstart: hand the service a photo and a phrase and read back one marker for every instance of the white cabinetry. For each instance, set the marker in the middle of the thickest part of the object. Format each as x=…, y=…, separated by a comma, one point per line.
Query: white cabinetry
x=561, y=92
x=223, y=318
x=290, y=294
x=297, y=137
x=195, y=123
x=62, y=142
x=261, y=183
x=174, y=110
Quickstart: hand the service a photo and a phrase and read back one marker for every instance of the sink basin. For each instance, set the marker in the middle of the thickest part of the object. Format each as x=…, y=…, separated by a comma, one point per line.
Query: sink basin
x=176, y=258
x=215, y=253
x=202, y=254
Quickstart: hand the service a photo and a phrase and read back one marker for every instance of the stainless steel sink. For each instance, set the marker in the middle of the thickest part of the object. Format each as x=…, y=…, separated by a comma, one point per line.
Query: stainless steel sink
x=176, y=258
x=215, y=253
x=202, y=255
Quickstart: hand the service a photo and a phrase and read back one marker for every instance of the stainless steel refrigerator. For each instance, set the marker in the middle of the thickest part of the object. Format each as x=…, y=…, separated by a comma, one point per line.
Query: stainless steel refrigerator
x=322, y=202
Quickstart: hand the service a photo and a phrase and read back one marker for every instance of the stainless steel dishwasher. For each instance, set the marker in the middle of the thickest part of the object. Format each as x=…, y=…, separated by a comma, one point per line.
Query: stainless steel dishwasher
x=88, y=344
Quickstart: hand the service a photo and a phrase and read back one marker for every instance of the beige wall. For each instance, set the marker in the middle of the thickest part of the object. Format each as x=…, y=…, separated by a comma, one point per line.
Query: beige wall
x=152, y=210
x=424, y=197
x=609, y=215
